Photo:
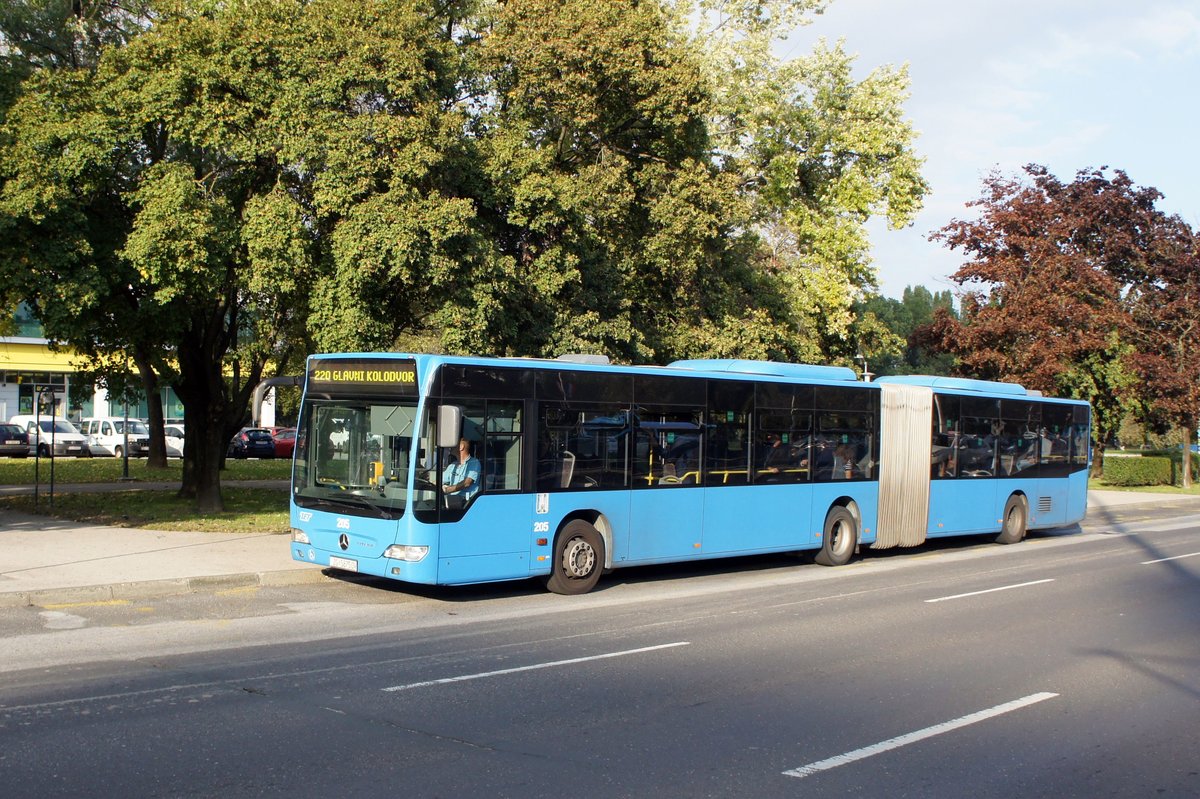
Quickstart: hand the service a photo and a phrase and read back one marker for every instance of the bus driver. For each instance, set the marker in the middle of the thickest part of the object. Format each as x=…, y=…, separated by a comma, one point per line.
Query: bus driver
x=460, y=480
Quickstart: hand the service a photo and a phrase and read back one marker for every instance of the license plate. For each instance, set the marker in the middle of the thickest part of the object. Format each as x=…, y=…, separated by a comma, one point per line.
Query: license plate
x=13, y=441
x=345, y=564
x=74, y=449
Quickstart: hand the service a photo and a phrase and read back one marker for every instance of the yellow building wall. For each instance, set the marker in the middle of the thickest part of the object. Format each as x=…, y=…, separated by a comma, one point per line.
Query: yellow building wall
x=30, y=356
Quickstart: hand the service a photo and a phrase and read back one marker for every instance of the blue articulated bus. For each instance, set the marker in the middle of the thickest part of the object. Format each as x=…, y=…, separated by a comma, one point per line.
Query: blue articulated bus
x=450, y=470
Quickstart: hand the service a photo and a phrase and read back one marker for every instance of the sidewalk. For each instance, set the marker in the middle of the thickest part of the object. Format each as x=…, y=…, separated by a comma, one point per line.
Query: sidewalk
x=47, y=561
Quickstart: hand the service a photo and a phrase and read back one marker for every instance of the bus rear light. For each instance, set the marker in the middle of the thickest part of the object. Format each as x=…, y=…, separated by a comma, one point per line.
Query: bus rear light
x=300, y=537
x=541, y=542
x=406, y=552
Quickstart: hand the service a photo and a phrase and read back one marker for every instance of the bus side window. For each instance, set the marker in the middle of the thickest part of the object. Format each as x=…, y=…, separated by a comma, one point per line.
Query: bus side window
x=501, y=454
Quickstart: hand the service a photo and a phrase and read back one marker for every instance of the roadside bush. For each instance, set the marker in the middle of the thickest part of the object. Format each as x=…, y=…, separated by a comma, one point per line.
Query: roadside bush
x=1176, y=457
x=1145, y=471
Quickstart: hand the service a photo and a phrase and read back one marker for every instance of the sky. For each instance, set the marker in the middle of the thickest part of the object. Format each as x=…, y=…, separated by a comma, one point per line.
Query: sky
x=996, y=85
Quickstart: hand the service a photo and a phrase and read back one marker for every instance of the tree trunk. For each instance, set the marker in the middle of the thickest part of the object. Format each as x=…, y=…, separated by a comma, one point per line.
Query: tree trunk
x=1097, y=460
x=210, y=453
x=205, y=396
x=215, y=407
x=154, y=413
x=1189, y=435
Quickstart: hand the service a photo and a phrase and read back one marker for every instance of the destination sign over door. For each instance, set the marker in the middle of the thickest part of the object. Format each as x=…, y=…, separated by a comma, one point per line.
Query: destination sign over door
x=369, y=375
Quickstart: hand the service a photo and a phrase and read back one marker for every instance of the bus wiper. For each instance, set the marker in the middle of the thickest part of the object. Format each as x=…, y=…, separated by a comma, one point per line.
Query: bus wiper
x=355, y=501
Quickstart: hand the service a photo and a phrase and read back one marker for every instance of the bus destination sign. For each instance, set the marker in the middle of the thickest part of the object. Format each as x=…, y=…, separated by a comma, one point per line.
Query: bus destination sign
x=363, y=374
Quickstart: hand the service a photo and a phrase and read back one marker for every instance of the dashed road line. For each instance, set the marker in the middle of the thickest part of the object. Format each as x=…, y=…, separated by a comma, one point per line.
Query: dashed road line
x=919, y=735
x=989, y=591
x=1164, y=560
x=552, y=664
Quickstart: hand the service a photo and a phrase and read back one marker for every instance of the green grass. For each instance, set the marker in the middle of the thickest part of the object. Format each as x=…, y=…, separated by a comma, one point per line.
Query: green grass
x=20, y=471
x=247, y=510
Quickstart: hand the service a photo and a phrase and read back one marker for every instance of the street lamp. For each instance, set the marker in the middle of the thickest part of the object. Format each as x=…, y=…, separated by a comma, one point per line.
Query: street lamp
x=866, y=373
x=40, y=395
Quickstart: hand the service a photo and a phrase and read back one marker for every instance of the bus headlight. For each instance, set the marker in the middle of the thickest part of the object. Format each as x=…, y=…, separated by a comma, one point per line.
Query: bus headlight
x=300, y=537
x=406, y=552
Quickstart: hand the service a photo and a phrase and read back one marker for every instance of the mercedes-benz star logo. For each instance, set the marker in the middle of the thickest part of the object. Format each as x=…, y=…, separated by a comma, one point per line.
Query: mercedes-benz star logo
x=344, y=541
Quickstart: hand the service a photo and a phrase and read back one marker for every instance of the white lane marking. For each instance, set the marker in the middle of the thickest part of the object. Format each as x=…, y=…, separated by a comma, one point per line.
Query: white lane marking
x=480, y=676
x=989, y=590
x=1164, y=560
x=919, y=735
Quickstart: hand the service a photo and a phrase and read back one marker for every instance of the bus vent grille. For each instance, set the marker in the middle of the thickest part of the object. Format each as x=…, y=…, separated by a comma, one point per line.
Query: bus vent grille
x=1045, y=504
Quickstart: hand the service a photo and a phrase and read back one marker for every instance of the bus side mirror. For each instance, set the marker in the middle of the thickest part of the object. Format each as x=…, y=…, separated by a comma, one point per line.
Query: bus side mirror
x=449, y=425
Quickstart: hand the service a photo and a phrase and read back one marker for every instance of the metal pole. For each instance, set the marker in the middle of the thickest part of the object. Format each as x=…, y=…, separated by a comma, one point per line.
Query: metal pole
x=53, y=441
x=37, y=448
x=125, y=450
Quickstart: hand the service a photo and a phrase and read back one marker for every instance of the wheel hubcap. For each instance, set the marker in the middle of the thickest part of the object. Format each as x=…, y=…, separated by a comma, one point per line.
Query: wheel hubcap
x=838, y=534
x=578, y=558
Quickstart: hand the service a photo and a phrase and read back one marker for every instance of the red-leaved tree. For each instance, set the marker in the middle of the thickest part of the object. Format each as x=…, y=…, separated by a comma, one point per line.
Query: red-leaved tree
x=1163, y=300
x=1042, y=301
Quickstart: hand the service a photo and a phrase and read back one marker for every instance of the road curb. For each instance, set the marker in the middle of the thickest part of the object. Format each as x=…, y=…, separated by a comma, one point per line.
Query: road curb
x=151, y=589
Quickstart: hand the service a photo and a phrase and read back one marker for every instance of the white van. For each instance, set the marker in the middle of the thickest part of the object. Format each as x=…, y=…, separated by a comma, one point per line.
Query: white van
x=58, y=435
x=106, y=436
x=173, y=434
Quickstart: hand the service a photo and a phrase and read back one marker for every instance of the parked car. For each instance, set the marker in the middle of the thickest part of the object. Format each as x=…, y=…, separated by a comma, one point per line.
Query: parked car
x=251, y=442
x=285, y=441
x=57, y=435
x=14, y=441
x=106, y=436
x=173, y=434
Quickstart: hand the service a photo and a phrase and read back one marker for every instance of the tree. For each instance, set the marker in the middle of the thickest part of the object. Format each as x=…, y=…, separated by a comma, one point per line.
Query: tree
x=1162, y=299
x=609, y=226
x=818, y=154
x=1051, y=259
x=70, y=35
x=902, y=319
x=182, y=200
x=234, y=179
x=626, y=198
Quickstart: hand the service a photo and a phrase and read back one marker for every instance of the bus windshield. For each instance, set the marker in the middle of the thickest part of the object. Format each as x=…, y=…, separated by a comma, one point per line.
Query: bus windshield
x=353, y=456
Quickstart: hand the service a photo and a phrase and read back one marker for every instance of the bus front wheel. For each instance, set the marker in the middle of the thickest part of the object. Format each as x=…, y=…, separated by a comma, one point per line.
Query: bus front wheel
x=578, y=559
x=1016, y=516
x=839, y=539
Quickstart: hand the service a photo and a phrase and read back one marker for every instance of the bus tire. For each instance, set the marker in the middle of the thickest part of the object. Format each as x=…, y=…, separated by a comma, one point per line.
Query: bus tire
x=578, y=559
x=1016, y=517
x=839, y=538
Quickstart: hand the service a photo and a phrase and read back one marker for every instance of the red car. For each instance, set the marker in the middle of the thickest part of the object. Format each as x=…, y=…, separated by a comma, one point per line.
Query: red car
x=285, y=441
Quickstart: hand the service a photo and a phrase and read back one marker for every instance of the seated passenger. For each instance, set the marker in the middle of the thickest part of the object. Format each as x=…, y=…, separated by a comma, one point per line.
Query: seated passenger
x=844, y=457
x=778, y=455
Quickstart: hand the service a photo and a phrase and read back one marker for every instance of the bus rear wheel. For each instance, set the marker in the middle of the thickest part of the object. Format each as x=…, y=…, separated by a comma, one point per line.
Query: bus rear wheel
x=1016, y=517
x=839, y=539
x=578, y=559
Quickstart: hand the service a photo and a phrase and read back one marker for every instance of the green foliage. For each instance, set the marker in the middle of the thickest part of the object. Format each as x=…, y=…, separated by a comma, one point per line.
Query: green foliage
x=903, y=320
x=66, y=34
x=206, y=190
x=1148, y=471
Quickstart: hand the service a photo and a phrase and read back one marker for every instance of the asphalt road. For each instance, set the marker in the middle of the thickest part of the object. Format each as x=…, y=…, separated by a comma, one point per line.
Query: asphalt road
x=1068, y=665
